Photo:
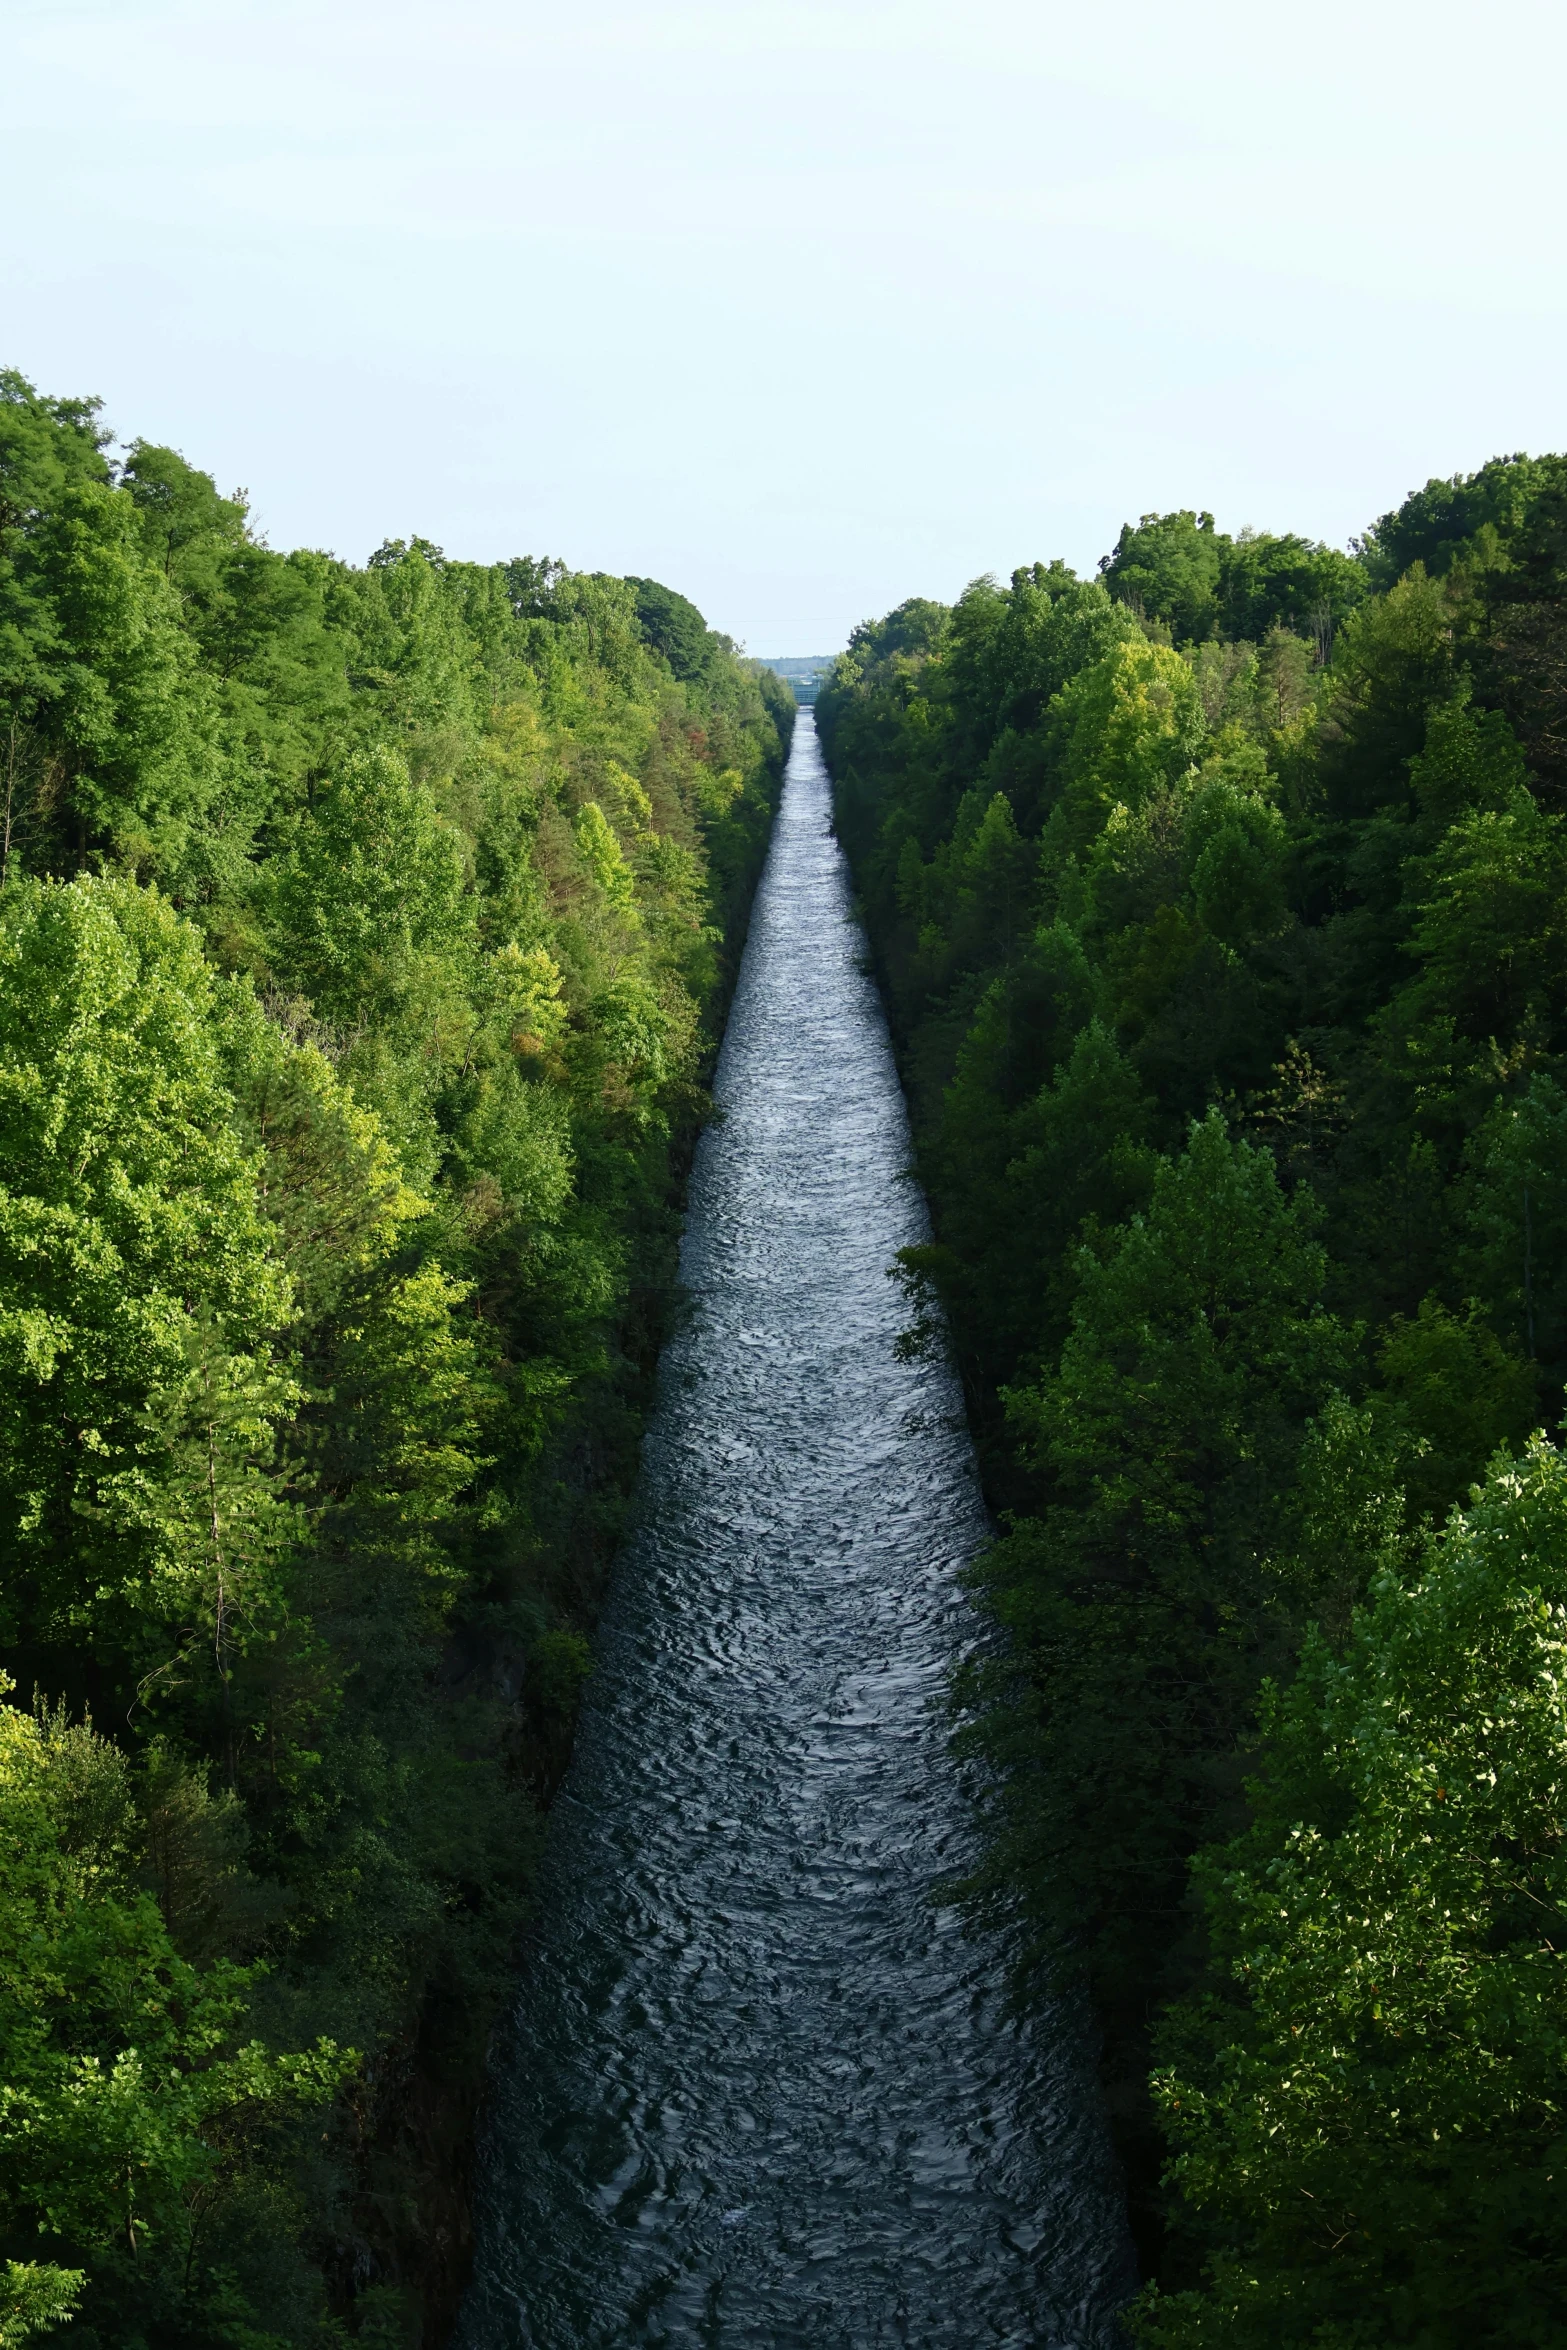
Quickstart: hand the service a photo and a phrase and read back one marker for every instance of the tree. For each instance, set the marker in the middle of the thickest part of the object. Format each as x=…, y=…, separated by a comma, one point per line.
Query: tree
x=131, y=2098
x=371, y=905
x=1012, y=649
x=672, y=625
x=137, y=1285
x=112, y=744
x=1468, y=513
x=1267, y=583
x=329, y=1298
x=1127, y=725
x=1169, y=567
x=1517, y=1215
x=1236, y=849
x=1147, y=1599
x=1490, y=933
x=1456, y=1395
x=1366, y=2101
x=1299, y=815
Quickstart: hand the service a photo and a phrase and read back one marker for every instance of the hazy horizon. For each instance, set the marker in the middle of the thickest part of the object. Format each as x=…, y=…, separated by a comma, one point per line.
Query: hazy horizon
x=802, y=310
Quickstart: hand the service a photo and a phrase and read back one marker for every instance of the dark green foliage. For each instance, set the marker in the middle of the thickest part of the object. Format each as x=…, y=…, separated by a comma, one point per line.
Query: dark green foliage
x=1291, y=583
x=364, y=940
x=1169, y=568
x=1159, y=1576
x=1469, y=517
x=673, y=626
x=1179, y=572
x=1220, y=908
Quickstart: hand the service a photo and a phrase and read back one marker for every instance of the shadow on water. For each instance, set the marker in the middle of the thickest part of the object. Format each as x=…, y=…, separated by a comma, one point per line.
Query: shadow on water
x=760, y=2090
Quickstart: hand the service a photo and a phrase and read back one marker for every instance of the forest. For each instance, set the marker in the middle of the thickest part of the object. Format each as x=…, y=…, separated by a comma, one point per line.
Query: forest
x=366, y=935
x=1219, y=902
x=365, y=938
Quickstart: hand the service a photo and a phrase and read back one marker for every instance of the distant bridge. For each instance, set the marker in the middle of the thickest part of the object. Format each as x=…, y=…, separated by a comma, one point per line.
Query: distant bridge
x=803, y=671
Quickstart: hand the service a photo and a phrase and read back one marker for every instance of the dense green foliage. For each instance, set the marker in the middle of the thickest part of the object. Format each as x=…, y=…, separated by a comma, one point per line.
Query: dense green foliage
x=363, y=939
x=1368, y=2103
x=1221, y=907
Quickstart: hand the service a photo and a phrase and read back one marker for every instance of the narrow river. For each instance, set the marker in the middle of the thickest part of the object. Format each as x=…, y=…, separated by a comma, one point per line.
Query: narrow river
x=761, y=2090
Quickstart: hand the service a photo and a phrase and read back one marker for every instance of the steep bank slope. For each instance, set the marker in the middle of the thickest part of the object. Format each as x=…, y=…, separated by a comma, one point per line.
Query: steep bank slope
x=762, y=2089
x=1221, y=906
x=366, y=935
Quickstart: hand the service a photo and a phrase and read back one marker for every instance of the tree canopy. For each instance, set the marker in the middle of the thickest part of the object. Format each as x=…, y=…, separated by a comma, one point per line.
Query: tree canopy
x=1217, y=905
x=365, y=935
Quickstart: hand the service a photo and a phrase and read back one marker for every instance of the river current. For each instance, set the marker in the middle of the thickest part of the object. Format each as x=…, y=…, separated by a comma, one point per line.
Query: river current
x=761, y=2090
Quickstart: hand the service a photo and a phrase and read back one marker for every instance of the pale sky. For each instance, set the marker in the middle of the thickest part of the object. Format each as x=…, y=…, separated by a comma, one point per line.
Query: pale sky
x=801, y=309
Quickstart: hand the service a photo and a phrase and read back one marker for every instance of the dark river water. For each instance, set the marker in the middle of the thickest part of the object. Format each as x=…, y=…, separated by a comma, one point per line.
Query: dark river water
x=760, y=2089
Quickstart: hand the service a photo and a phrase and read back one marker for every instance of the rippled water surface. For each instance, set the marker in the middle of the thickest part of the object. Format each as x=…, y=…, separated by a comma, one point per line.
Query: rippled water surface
x=761, y=2090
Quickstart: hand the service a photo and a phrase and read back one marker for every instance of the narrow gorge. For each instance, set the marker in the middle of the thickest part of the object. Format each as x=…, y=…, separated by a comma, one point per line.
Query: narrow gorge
x=762, y=2088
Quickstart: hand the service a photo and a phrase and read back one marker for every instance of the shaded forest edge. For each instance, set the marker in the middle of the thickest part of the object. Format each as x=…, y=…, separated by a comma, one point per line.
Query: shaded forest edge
x=365, y=940
x=1220, y=905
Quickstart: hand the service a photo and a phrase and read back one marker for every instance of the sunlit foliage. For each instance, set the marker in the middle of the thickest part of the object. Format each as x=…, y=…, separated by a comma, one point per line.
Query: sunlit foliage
x=364, y=938
x=1221, y=905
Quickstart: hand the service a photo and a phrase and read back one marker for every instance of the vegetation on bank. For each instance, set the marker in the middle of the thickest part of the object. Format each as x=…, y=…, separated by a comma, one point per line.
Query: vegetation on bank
x=364, y=935
x=1221, y=907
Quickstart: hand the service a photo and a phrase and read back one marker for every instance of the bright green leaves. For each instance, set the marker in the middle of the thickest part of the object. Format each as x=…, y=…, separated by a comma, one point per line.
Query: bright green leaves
x=333, y=1191
x=258, y=620
x=327, y=1301
x=1168, y=567
x=373, y=895
x=1129, y=724
x=1473, y=518
x=1370, y=2107
x=527, y=984
x=998, y=875
x=128, y=2084
x=1471, y=761
x=1211, y=846
x=35, y=2297
x=108, y=727
x=416, y=664
x=46, y=447
x=1269, y=582
x=136, y=1278
x=1200, y=583
x=186, y=527
x=602, y=855
x=1492, y=929
x=376, y=927
x=673, y=625
x=1012, y=650
x=1393, y=666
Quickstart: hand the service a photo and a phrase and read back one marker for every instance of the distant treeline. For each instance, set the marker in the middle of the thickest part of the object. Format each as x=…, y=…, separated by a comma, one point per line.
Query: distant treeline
x=1221, y=905
x=803, y=674
x=364, y=938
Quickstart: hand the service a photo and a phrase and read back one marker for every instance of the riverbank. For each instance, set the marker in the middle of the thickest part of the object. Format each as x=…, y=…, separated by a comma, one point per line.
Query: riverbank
x=1210, y=899
x=434, y=2128
x=365, y=934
